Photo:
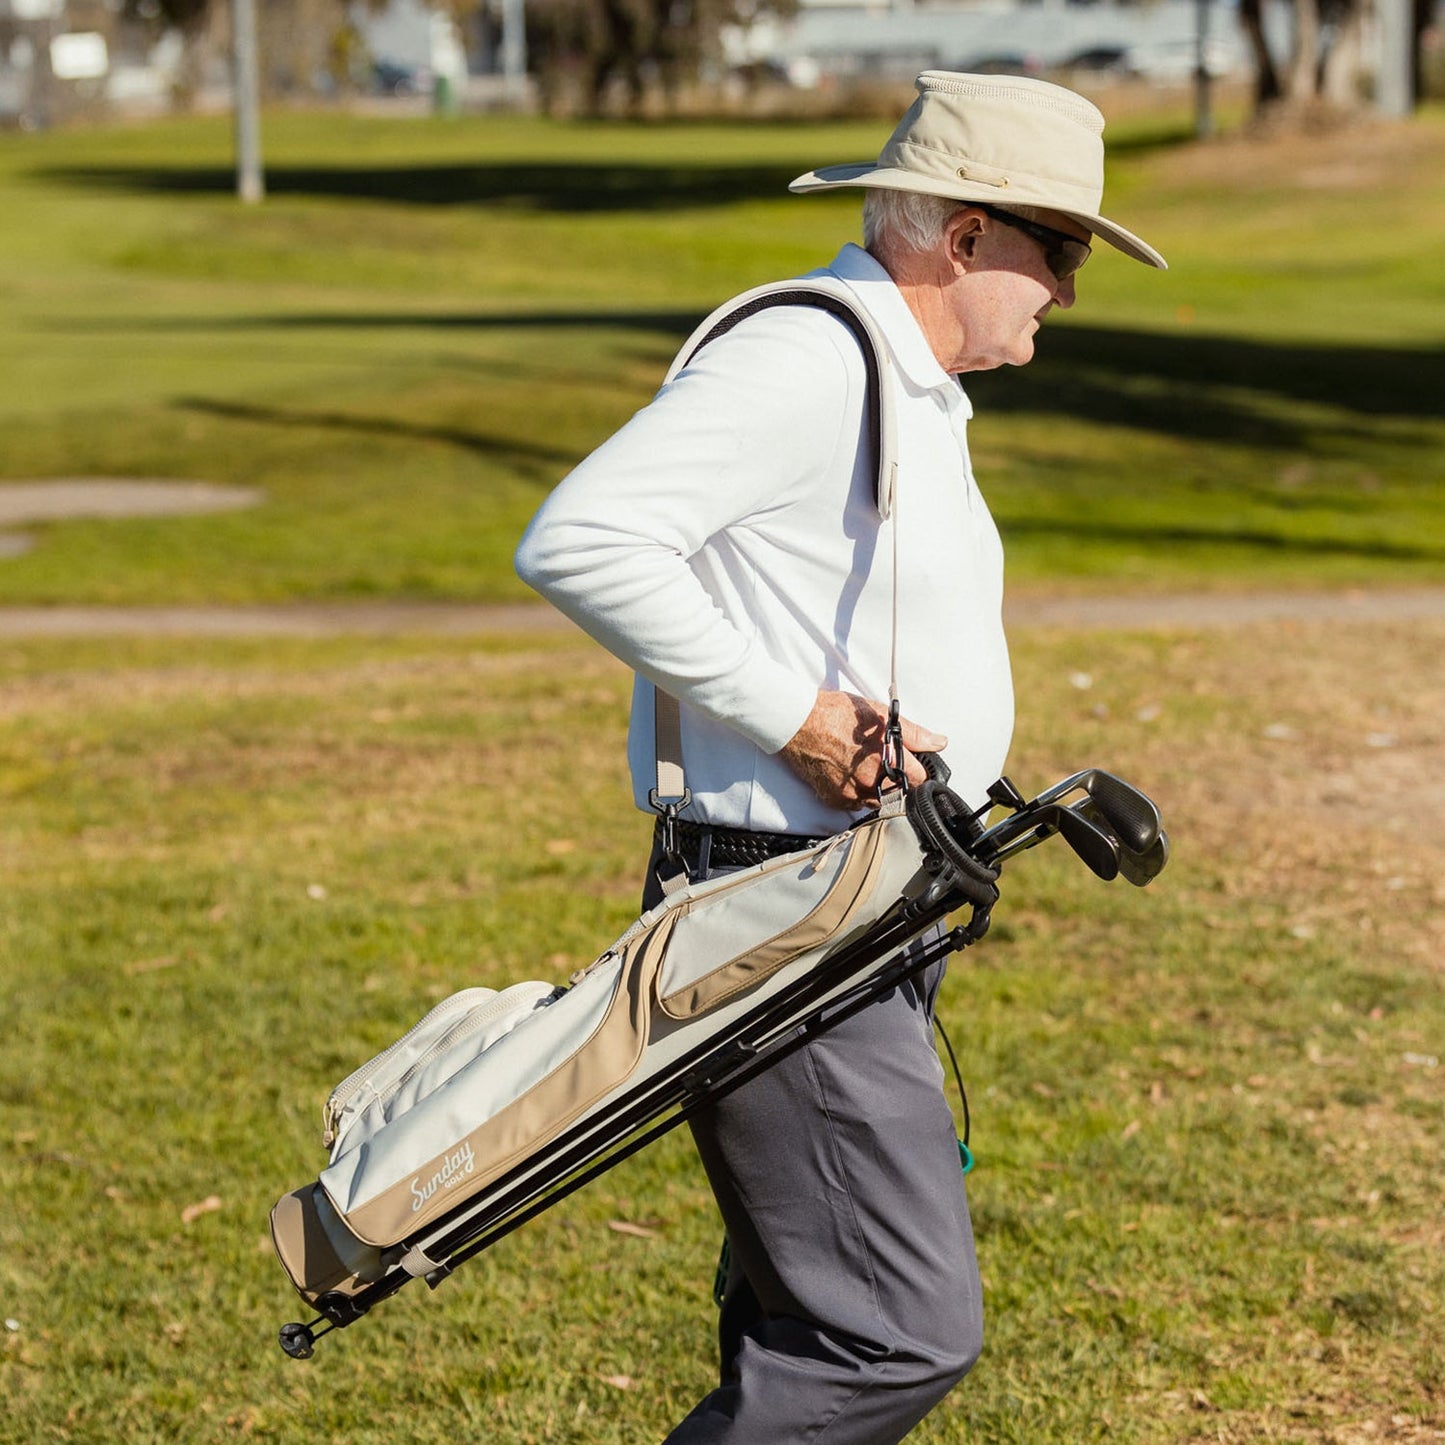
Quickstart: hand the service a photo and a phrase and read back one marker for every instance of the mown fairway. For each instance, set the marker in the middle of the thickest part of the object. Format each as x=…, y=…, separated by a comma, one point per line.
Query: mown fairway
x=427, y=323
x=1208, y=1116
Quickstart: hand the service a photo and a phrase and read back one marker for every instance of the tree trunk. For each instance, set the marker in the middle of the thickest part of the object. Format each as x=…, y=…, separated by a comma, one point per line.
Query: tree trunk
x=1324, y=66
x=201, y=39
x=1267, y=88
x=1302, y=83
x=1339, y=82
x=1424, y=18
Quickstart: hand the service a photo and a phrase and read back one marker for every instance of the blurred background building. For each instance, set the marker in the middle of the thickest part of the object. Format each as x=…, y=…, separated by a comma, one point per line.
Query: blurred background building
x=62, y=60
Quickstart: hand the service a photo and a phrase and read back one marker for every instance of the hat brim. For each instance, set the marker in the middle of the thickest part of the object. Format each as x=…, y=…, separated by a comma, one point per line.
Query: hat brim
x=888, y=178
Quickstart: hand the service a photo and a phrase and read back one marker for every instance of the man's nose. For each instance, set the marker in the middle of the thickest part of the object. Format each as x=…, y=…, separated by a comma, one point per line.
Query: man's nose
x=1065, y=296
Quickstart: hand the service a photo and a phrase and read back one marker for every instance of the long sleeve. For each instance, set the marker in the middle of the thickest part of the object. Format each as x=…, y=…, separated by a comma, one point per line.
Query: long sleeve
x=750, y=429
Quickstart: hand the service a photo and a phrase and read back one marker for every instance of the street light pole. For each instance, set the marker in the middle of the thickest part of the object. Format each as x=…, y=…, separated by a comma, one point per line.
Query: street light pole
x=1203, y=112
x=514, y=47
x=1395, y=78
x=250, y=185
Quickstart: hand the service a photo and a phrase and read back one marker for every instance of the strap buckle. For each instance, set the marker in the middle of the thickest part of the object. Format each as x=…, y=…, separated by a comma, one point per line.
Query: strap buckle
x=668, y=809
x=893, y=748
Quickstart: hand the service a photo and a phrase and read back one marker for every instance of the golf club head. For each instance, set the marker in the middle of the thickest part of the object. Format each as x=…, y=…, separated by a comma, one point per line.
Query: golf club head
x=1142, y=868
x=1095, y=845
x=1126, y=812
x=1114, y=828
x=1136, y=865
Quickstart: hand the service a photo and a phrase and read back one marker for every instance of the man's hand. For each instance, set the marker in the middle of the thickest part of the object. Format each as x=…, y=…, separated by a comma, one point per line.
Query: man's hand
x=838, y=751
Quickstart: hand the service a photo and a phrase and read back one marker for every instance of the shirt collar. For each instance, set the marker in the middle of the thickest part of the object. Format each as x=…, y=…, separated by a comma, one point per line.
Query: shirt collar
x=874, y=287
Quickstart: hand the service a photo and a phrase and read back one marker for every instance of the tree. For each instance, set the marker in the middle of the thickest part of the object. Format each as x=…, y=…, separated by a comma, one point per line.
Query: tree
x=195, y=22
x=601, y=54
x=299, y=38
x=1323, y=64
x=596, y=54
x=1326, y=64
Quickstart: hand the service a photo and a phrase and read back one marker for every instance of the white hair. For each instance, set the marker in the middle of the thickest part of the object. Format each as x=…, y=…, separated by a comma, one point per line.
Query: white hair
x=913, y=221
x=907, y=219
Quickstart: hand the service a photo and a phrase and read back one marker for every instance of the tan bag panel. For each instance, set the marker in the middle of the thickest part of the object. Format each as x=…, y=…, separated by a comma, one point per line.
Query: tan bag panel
x=704, y=967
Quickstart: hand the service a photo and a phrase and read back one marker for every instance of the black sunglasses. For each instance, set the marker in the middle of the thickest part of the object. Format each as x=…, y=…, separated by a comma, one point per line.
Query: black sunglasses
x=1063, y=253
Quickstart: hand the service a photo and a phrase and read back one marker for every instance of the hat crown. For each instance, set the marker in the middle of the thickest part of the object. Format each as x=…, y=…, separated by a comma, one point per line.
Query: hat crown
x=1021, y=90
x=1035, y=143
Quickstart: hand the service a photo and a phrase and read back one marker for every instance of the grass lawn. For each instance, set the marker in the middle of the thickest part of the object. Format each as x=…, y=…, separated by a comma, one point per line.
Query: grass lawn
x=427, y=323
x=1208, y=1116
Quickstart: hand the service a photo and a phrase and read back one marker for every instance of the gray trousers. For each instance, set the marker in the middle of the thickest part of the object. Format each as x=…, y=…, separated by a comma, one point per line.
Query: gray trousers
x=853, y=1303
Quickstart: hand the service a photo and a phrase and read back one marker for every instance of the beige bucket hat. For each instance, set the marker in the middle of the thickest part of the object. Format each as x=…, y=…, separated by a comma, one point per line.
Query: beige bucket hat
x=1005, y=140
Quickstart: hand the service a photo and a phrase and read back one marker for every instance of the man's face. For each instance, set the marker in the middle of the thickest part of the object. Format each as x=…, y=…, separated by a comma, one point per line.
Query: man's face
x=1007, y=291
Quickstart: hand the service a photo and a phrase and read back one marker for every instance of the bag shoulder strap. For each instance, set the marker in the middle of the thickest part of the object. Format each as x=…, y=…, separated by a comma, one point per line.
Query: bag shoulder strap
x=670, y=794
x=834, y=298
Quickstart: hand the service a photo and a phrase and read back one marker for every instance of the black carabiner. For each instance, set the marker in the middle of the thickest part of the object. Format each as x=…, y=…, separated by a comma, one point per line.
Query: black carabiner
x=668, y=809
x=893, y=748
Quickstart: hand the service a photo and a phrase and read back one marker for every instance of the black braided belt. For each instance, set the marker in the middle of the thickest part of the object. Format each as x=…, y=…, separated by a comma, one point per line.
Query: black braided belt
x=733, y=847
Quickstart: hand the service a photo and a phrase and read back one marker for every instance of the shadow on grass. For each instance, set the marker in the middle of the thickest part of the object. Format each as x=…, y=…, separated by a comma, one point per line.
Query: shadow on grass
x=521, y=455
x=1255, y=539
x=597, y=185
x=534, y=186
x=1287, y=396
x=1402, y=381
x=1202, y=388
x=677, y=323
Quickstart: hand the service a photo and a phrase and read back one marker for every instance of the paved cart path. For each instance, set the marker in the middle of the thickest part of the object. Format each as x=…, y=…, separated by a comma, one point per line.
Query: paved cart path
x=335, y=619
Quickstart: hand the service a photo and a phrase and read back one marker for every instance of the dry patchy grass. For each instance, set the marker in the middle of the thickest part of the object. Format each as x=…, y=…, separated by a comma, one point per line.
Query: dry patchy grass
x=1361, y=156
x=1301, y=763
x=1208, y=1124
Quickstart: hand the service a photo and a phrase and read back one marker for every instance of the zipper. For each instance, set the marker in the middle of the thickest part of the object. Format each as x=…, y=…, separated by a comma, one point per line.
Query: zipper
x=345, y=1092
x=498, y=1006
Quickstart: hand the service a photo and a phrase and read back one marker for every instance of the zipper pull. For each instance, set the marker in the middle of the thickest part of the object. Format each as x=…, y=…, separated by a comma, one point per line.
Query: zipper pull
x=591, y=968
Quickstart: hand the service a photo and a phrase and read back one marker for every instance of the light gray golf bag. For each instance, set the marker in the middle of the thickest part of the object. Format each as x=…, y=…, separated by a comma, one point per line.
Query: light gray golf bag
x=497, y=1104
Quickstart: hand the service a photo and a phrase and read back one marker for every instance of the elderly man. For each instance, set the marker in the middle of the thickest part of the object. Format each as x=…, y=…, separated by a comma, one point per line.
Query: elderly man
x=727, y=545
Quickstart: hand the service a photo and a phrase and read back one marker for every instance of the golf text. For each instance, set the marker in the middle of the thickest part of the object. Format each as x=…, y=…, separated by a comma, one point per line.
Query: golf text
x=460, y=1161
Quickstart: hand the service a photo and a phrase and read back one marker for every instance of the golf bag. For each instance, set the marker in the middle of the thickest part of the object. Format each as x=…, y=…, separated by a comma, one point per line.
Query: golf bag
x=497, y=1104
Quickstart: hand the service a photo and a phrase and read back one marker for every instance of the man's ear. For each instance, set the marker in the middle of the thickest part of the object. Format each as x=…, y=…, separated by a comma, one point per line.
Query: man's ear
x=961, y=234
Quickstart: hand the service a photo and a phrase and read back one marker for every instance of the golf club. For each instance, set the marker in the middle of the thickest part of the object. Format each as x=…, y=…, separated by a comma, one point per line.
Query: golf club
x=1114, y=827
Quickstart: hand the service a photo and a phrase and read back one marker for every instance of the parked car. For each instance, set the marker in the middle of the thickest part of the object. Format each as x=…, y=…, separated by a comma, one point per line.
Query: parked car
x=1003, y=63
x=1113, y=60
x=1179, y=60
x=389, y=77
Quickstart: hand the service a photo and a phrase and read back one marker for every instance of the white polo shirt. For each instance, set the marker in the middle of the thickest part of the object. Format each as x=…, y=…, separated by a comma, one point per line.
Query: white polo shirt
x=726, y=545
